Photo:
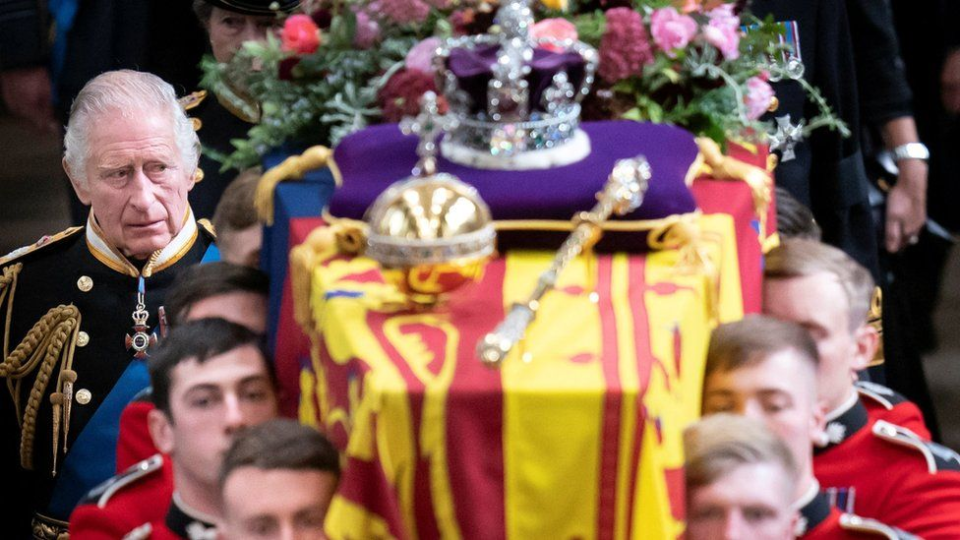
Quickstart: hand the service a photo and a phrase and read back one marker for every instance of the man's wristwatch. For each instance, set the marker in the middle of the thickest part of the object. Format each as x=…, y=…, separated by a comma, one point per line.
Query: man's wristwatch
x=913, y=150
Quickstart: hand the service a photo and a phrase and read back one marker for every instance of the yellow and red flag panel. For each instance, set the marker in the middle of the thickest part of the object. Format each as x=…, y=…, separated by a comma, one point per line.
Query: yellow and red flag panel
x=577, y=436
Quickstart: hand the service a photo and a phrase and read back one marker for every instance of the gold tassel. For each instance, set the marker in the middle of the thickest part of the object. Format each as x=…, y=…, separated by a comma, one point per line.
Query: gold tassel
x=56, y=399
x=68, y=377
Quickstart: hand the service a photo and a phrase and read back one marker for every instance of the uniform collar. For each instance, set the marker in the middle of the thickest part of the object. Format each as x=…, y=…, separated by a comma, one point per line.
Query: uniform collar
x=189, y=523
x=110, y=256
x=844, y=422
x=813, y=513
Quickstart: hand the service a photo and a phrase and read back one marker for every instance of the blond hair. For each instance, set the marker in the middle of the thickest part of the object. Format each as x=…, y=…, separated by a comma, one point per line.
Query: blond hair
x=720, y=443
x=799, y=257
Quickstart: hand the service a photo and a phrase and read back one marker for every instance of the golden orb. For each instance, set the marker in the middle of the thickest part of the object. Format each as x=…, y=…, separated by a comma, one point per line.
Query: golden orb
x=431, y=235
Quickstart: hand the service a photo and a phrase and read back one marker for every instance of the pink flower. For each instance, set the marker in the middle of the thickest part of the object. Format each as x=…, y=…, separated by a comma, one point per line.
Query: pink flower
x=725, y=14
x=625, y=47
x=368, y=31
x=671, y=30
x=556, y=28
x=300, y=35
x=420, y=57
x=402, y=11
x=723, y=31
x=758, y=98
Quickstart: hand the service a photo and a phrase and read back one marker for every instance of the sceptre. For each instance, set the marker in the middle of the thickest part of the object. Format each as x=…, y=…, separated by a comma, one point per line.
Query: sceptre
x=622, y=194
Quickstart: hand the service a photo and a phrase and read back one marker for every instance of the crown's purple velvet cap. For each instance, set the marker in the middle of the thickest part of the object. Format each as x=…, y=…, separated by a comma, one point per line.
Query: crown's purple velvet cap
x=372, y=159
x=473, y=69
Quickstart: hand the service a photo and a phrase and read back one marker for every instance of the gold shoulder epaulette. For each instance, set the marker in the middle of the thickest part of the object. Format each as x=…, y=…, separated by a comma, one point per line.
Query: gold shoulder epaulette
x=207, y=226
x=44, y=241
x=851, y=522
x=105, y=491
x=193, y=99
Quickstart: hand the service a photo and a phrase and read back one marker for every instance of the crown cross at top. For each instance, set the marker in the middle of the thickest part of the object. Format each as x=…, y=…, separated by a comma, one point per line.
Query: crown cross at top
x=428, y=126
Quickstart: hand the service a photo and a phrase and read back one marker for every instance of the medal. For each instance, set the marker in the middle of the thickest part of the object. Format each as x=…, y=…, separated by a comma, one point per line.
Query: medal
x=786, y=137
x=141, y=339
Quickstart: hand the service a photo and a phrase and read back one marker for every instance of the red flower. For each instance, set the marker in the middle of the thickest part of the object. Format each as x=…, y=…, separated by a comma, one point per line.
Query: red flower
x=300, y=35
x=401, y=95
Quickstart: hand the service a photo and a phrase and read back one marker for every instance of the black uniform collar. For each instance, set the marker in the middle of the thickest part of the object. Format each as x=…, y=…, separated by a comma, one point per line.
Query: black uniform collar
x=845, y=424
x=813, y=513
x=189, y=524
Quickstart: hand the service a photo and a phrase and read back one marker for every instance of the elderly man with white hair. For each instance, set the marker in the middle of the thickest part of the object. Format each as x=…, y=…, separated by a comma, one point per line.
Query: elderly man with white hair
x=81, y=310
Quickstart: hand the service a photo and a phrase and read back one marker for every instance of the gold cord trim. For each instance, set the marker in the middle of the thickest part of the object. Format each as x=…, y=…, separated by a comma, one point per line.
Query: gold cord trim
x=294, y=167
x=52, y=340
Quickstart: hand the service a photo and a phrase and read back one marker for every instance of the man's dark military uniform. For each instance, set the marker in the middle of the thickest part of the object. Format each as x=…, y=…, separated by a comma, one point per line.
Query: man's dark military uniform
x=820, y=521
x=216, y=125
x=66, y=308
x=880, y=470
x=828, y=174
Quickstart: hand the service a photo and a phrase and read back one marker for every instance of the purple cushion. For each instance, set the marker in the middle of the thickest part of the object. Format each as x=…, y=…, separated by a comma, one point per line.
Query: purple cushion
x=372, y=159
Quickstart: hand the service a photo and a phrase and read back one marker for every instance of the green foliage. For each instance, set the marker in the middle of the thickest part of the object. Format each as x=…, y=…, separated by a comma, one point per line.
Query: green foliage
x=328, y=94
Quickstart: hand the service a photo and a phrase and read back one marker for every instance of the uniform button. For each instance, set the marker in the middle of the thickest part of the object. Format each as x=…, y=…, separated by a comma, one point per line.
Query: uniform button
x=82, y=339
x=84, y=396
x=85, y=283
x=774, y=104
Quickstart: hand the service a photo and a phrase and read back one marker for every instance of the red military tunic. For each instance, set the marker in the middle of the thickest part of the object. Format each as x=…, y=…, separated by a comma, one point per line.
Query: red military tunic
x=139, y=495
x=883, y=403
x=134, y=442
x=176, y=524
x=820, y=521
x=879, y=470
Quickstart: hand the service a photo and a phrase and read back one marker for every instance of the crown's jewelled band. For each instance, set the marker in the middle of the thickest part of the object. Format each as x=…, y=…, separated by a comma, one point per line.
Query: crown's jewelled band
x=509, y=138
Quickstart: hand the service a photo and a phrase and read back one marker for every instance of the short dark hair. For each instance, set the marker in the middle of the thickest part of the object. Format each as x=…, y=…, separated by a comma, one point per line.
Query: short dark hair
x=751, y=340
x=211, y=279
x=199, y=340
x=280, y=444
x=794, y=219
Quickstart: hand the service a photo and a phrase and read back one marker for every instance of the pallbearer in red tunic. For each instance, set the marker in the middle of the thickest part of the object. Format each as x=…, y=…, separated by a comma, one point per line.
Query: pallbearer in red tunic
x=868, y=465
x=766, y=369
